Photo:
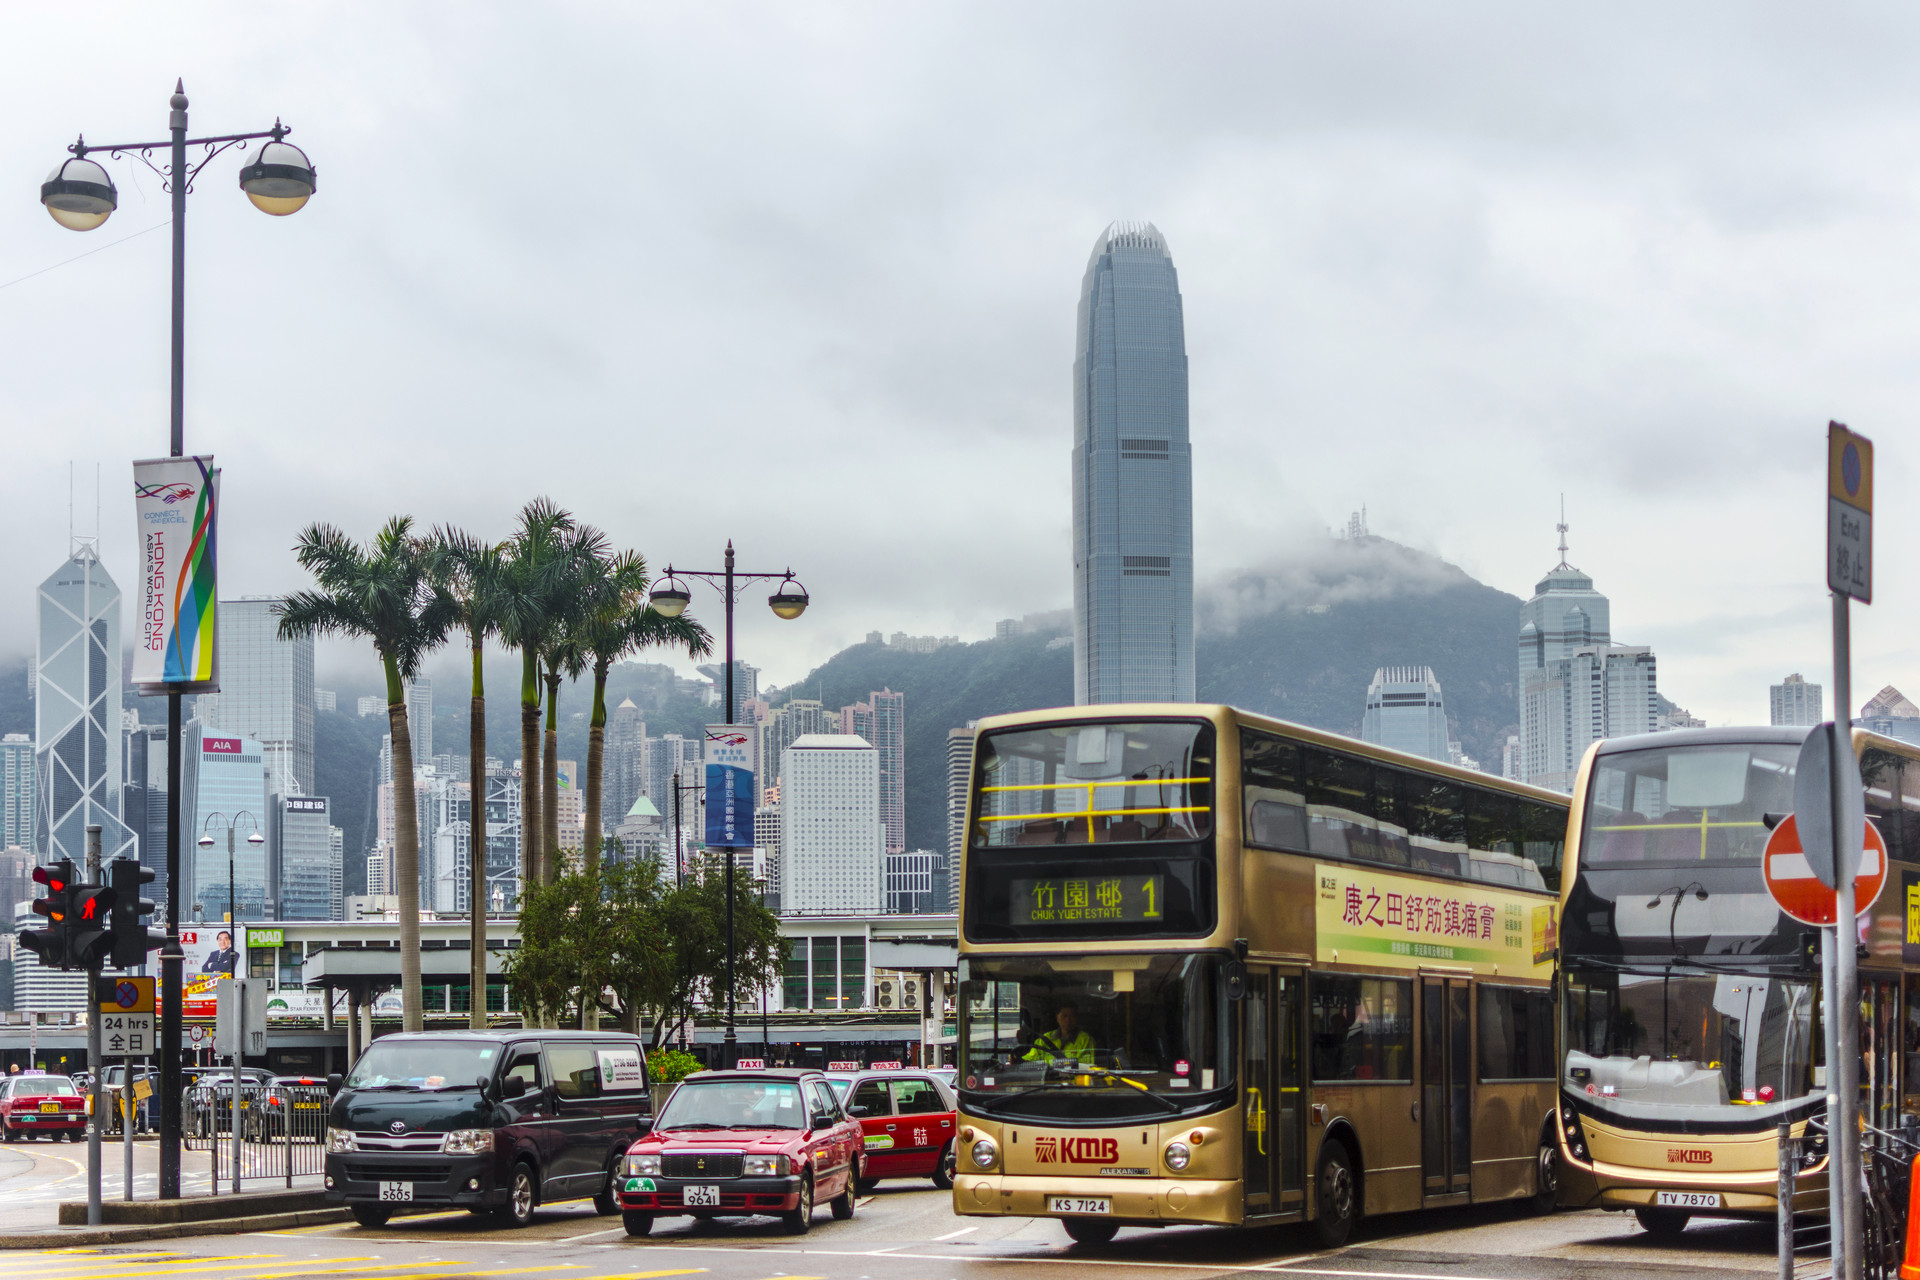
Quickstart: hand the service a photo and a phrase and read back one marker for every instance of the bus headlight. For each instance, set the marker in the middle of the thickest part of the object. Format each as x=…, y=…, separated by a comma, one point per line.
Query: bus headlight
x=1179, y=1154
x=984, y=1153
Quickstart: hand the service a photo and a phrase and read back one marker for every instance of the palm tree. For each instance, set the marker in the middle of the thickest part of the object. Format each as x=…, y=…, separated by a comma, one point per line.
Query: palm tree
x=583, y=553
x=383, y=592
x=469, y=572
x=528, y=586
x=619, y=621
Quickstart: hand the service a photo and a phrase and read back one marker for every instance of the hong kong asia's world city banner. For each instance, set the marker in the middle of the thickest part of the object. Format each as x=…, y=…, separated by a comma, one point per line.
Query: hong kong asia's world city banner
x=176, y=510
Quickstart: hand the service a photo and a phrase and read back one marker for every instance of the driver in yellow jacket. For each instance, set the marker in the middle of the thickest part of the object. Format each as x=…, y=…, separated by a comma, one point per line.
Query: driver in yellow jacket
x=1066, y=1040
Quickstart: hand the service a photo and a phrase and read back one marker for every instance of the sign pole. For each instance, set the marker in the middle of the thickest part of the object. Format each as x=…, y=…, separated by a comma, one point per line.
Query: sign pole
x=97, y=1106
x=1845, y=1115
x=127, y=1105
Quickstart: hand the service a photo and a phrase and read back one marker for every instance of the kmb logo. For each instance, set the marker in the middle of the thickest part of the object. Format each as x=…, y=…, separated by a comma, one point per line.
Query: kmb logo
x=1076, y=1150
x=1688, y=1155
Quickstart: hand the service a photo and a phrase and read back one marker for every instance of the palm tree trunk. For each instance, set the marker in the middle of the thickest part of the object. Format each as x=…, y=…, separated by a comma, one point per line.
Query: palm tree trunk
x=477, y=845
x=406, y=849
x=550, y=782
x=531, y=872
x=596, y=758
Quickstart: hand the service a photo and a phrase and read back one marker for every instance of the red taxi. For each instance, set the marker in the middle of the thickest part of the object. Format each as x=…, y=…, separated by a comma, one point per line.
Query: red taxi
x=907, y=1123
x=35, y=1102
x=735, y=1143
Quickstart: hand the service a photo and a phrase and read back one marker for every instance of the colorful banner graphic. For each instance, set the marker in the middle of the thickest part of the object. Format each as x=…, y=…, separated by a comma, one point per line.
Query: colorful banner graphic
x=730, y=752
x=176, y=508
x=1375, y=917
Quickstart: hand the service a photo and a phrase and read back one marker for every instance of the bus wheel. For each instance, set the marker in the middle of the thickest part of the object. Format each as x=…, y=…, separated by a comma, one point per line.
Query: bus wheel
x=1546, y=1175
x=1339, y=1204
x=1662, y=1222
x=1090, y=1230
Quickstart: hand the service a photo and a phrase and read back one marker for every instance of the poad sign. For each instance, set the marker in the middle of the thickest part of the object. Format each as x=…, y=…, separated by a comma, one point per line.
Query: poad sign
x=176, y=510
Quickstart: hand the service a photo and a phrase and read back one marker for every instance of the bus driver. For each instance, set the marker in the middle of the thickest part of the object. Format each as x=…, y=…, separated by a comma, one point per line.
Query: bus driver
x=1066, y=1040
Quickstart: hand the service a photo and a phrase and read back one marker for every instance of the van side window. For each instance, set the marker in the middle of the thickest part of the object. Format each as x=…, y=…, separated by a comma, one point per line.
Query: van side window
x=576, y=1070
x=526, y=1065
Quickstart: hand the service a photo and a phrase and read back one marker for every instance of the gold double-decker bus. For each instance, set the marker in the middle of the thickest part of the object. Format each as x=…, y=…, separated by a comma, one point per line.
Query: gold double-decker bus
x=1690, y=1004
x=1220, y=969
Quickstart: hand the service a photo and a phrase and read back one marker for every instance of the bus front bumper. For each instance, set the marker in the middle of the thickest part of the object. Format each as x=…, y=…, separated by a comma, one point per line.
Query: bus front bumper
x=1599, y=1184
x=1166, y=1201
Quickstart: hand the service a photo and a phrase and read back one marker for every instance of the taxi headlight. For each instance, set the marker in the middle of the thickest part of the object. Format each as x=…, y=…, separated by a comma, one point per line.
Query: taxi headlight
x=763, y=1166
x=643, y=1166
x=1179, y=1154
x=339, y=1139
x=984, y=1153
x=467, y=1142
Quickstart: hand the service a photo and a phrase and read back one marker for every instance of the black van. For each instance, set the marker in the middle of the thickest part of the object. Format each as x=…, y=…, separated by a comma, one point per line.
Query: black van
x=491, y=1121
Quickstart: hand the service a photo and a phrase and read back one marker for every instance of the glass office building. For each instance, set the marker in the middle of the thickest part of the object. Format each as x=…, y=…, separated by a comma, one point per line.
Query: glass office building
x=1405, y=711
x=77, y=753
x=266, y=691
x=1132, y=477
x=224, y=779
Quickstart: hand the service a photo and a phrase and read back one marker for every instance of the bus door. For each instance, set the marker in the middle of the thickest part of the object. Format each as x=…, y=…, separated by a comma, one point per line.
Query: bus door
x=1446, y=1093
x=1880, y=1034
x=1275, y=1097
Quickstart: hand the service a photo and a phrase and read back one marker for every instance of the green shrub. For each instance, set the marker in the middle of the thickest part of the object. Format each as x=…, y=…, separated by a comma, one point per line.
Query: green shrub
x=671, y=1066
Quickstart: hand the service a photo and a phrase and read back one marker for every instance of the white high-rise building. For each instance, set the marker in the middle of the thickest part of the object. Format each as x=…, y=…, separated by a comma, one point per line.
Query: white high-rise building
x=305, y=876
x=1405, y=711
x=420, y=718
x=1793, y=701
x=1576, y=685
x=832, y=842
x=266, y=691
x=959, y=782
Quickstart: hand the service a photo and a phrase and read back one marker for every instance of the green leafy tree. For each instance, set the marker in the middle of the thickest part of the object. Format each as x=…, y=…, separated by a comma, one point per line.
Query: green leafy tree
x=381, y=592
x=671, y=1066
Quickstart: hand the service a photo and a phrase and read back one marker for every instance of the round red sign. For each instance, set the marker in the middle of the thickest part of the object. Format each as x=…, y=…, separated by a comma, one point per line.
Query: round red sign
x=1791, y=881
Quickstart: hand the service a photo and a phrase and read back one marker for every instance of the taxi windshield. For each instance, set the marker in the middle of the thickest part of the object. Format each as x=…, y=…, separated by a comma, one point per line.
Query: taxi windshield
x=46, y=1087
x=734, y=1104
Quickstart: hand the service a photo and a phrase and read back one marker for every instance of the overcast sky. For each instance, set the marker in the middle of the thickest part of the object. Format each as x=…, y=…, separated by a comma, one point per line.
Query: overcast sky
x=805, y=275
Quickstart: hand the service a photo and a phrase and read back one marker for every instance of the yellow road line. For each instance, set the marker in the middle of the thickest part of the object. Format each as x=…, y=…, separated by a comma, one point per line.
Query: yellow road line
x=263, y=1263
x=68, y=1265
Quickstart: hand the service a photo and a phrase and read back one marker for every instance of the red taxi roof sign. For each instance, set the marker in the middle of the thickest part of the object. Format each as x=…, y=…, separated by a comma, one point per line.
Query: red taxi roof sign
x=1791, y=881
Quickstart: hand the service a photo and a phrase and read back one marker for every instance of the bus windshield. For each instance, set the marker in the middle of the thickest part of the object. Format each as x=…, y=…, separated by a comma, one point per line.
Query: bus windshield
x=1093, y=1036
x=1081, y=783
x=1662, y=1043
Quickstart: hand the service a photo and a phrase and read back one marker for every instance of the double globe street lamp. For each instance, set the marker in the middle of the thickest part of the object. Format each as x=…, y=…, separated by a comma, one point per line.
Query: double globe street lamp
x=788, y=601
x=81, y=196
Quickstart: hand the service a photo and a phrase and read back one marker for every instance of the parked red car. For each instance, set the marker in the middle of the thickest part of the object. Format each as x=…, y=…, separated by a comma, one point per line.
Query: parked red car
x=732, y=1143
x=35, y=1102
x=907, y=1121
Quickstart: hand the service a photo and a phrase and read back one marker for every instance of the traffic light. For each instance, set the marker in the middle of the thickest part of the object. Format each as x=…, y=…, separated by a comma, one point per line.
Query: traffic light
x=131, y=941
x=89, y=929
x=50, y=943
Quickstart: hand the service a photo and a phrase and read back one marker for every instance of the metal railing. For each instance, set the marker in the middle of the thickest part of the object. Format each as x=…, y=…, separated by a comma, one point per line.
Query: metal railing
x=1887, y=1172
x=283, y=1130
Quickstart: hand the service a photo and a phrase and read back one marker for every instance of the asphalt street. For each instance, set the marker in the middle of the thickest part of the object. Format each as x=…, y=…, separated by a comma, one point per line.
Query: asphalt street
x=904, y=1232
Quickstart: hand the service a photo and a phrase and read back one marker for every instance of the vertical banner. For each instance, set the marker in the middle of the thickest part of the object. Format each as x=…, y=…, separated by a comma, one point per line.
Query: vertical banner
x=730, y=769
x=176, y=509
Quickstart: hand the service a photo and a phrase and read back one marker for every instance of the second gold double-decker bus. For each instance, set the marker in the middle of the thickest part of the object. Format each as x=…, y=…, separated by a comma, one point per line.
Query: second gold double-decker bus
x=1217, y=968
x=1690, y=1004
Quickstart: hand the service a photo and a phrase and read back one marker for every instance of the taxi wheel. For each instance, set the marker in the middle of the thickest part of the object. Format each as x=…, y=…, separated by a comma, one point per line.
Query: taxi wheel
x=606, y=1202
x=638, y=1224
x=799, y=1220
x=842, y=1204
x=371, y=1215
x=943, y=1172
x=6, y=1130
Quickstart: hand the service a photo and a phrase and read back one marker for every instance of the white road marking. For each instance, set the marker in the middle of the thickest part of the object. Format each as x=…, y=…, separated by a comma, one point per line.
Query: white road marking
x=951, y=1235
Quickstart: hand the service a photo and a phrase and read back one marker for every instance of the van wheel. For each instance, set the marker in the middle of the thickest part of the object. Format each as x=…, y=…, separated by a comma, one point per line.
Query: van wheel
x=638, y=1224
x=1666, y=1223
x=606, y=1201
x=1338, y=1195
x=1090, y=1230
x=1546, y=1175
x=371, y=1215
x=518, y=1210
x=943, y=1172
x=799, y=1220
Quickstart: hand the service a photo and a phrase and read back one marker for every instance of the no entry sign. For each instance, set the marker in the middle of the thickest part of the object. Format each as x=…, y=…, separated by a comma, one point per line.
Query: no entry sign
x=1791, y=881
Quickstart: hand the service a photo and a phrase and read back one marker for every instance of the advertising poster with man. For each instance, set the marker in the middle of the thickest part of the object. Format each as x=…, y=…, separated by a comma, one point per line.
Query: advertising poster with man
x=213, y=952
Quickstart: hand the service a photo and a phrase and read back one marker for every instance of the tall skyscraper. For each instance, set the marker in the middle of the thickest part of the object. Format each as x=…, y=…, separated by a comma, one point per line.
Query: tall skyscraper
x=959, y=782
x=266, y=691
x=832, y=845
x=77, y=712
x=890, y=740
x=16, y=793
x=305, y=875
x=143, y=799
x=1405, y=711
x=420, y=718
x=1794, y=701
x=1132, y=477
x=224, y=783
x=1576, y=685
x=1891, y=715
x=623, y=772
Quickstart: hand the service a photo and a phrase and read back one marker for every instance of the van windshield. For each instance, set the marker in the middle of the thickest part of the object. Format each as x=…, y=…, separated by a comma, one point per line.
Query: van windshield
x=422, y=1064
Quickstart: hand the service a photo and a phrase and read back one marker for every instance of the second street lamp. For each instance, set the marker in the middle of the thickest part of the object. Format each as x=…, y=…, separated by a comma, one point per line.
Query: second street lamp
x=789, y=600
x=80, y=196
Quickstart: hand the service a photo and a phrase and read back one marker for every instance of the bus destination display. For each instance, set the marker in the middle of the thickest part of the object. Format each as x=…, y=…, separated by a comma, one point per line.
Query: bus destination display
x=1089, y=900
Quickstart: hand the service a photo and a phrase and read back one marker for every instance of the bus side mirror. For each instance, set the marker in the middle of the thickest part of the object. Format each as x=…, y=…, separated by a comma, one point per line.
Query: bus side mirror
x=1236, y=976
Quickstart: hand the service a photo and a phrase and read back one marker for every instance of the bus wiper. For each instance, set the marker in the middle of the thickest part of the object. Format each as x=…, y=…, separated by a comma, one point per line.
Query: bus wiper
x=1088, y=1069
x=1053, y=1086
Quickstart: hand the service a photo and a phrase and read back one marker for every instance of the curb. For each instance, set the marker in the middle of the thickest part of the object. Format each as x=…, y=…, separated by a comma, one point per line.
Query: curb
x=66, y=1237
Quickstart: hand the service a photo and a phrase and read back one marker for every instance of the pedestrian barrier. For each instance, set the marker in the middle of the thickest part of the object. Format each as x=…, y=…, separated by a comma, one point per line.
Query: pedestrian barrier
x=1888, y=1250
x=283, y=1130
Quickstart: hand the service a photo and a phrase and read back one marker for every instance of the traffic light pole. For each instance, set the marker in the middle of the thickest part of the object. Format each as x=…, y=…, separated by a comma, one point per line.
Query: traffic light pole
x=96, y=1108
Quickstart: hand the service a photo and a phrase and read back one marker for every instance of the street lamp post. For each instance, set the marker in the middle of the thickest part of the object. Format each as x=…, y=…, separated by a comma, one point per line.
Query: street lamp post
x=231, y=824
x=789, y=600
x=81, y=196
x=233, y=925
